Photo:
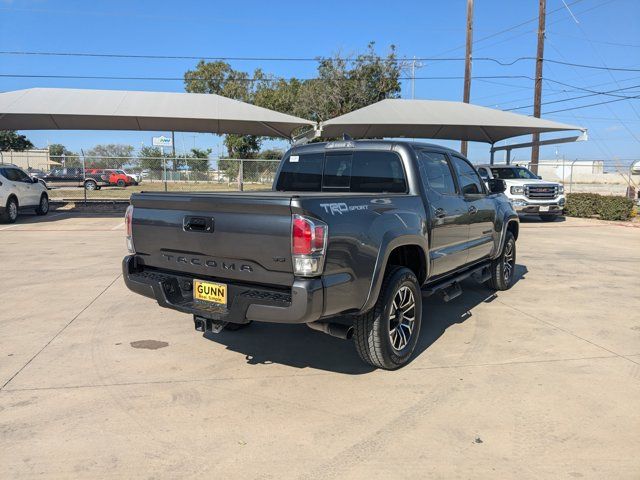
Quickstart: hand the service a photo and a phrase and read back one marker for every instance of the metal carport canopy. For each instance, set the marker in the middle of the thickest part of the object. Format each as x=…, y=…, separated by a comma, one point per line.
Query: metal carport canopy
x=436, y=119
x=77, y=109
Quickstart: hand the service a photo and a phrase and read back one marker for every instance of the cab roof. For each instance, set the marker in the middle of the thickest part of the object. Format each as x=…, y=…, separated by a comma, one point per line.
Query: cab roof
x=346, y=145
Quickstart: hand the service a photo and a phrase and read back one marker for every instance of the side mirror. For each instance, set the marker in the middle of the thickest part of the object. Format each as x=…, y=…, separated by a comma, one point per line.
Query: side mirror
x=539, y=177
x=34, y=179
x=496, y=185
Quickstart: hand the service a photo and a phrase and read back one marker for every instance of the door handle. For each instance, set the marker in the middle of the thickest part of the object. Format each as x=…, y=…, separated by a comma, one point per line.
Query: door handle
x=197, y=224
x=473, y=210
x=440, y=213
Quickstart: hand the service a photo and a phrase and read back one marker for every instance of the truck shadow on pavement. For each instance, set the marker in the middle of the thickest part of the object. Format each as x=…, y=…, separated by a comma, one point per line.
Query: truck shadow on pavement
x=536, y=219
x=30, y=218
x=438, y=315
x=300, y=347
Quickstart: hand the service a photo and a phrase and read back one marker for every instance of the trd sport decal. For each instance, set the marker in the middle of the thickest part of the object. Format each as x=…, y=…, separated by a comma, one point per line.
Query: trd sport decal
x=341, y=208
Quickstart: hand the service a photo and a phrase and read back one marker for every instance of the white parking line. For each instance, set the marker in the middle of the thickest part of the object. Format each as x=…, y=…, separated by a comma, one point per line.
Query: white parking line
x=120, y=225
x=10, y=226
x=30, y=223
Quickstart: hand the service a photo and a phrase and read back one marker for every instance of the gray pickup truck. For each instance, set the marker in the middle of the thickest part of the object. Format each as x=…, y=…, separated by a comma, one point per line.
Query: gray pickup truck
x=349, y=240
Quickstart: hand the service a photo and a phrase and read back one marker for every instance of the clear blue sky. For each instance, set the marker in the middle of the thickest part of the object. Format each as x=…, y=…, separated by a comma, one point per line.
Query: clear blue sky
x=607, y=34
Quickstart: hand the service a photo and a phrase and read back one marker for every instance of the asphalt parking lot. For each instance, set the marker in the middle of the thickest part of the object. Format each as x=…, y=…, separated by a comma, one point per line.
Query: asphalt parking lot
x=541, y=381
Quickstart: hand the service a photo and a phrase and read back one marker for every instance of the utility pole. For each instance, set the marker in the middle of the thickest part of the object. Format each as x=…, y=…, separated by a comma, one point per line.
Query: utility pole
x=467, y=65
x=414, y=64
x=537, y=94
x=413, y=78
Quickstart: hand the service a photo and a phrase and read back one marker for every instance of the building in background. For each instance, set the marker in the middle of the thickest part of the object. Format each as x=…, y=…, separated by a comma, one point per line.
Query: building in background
x=38, y=159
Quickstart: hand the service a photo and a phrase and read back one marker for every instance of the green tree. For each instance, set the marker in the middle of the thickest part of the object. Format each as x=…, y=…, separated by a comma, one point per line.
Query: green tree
x=271, y=154
x=343, y=86
x=150, y=158
x=221, y=79
x=198, y=160
x=10, y=140
x=61, y=154
x=340, y=86
x=112, y=155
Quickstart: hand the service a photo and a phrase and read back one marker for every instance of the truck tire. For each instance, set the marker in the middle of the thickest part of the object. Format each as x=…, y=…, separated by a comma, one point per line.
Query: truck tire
x=10, y=214
x=90, y=185
x=43, y=206
x=386, y=336
x=503, y=268
x=121, y=183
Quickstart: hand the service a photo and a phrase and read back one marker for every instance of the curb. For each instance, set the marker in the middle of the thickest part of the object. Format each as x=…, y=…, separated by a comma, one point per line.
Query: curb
x=90, y=206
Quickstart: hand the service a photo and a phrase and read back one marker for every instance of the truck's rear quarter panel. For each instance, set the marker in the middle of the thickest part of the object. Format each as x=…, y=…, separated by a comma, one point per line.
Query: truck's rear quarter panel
x=360, y=227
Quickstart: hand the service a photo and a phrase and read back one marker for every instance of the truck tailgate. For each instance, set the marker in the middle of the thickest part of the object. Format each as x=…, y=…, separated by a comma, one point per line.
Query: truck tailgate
x=232, y=236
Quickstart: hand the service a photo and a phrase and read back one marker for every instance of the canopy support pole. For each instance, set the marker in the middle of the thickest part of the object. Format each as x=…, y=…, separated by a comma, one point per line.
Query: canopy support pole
x=578, y=138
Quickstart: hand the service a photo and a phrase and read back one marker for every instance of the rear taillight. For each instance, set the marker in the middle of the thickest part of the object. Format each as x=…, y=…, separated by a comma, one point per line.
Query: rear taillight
x=308, y=245
x=128, y=225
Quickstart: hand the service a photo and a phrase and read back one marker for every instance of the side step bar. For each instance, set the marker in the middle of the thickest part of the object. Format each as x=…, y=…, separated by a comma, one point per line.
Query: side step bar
x=449, y=288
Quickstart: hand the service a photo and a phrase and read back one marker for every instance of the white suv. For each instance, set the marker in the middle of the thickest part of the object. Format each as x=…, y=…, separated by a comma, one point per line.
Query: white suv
x=19, y=191
x=528, y=193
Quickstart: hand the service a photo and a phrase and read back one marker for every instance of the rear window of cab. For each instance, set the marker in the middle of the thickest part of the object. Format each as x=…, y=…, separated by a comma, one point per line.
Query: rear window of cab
x=361, y=172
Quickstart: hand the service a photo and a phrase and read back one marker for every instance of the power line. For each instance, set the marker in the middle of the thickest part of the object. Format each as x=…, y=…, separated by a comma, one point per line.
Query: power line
x=362, y=58
x=534, y=30
x=557, y=92
x=615, y=80
x=509, y=29
x=275, y=79
x=609, y=93
x=593, y=104
x=248, y=79
x=594, y=67
x=613, y=44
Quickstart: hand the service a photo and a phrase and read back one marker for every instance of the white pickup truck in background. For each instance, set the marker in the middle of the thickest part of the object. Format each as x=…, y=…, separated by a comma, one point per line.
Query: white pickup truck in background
x=529, y=194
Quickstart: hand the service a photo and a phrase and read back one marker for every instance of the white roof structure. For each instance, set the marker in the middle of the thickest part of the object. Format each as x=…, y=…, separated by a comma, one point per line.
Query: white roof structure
x=392, y=118
x=76, y=109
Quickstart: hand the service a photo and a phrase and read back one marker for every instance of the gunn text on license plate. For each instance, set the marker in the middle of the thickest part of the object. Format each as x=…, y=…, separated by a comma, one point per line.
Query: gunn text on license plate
x=210, y=292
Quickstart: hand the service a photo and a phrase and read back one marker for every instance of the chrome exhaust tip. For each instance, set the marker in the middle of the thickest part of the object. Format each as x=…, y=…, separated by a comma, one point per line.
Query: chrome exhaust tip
x=338, y=330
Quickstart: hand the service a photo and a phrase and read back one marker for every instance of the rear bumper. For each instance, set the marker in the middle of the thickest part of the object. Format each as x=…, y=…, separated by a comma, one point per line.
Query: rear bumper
x=302, y=304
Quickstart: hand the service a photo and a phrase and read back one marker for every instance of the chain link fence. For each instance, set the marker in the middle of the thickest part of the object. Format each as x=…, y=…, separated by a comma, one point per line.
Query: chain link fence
x=116, y=178
x=73, y=178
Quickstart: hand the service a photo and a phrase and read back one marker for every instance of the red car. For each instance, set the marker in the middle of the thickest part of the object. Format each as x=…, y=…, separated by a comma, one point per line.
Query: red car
x=120, y=178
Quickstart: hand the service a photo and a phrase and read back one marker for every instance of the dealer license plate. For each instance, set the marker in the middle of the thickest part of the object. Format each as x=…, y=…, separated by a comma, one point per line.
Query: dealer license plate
x=544, y=209
x=210, y=292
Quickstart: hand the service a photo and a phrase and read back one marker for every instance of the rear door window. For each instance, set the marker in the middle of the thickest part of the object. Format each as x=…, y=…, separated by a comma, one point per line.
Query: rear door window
x=468, y=179
x=377, y=172
x=436, y=173
x=20, y=176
